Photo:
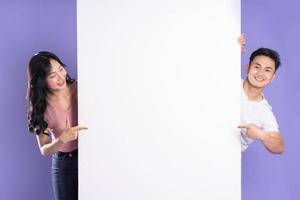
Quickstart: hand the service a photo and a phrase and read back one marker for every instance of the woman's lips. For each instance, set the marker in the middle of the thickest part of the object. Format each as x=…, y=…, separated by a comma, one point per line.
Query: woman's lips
x=61, y=84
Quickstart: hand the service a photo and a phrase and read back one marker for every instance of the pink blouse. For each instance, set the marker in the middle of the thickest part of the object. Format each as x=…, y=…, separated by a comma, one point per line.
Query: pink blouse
x=56, y=117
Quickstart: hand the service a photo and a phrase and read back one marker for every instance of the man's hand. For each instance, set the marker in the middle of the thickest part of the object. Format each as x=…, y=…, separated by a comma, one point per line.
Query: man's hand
x=271, y=140
x=242, y=42
x=253, y=131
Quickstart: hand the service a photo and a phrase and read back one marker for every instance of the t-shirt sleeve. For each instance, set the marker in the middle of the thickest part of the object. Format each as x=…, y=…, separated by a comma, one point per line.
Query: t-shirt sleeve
x=270, y=124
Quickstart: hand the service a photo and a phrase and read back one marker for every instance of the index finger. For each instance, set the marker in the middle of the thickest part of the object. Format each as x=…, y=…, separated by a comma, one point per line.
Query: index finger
x=67, y=123
x=79, y=128
x=243, y=126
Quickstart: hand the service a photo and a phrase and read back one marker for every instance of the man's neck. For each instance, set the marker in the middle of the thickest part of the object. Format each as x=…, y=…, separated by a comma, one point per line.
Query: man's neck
x=253, y=93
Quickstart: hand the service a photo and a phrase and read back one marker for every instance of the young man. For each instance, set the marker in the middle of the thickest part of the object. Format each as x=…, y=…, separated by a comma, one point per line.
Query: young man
x=258, y=120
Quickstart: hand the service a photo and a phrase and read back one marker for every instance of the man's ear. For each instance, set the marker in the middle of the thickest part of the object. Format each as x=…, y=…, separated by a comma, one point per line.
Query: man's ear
x=274, y=76
x=247, y=68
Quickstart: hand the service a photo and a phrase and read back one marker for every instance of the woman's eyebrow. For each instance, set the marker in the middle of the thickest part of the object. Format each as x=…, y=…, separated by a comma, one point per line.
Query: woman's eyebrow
x=54, y=71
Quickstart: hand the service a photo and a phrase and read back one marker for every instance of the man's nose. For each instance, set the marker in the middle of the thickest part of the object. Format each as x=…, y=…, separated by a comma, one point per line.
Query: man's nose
x=260, y=72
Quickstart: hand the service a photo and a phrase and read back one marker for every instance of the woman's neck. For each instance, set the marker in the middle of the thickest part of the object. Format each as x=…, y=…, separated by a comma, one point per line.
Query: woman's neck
x=61, y=94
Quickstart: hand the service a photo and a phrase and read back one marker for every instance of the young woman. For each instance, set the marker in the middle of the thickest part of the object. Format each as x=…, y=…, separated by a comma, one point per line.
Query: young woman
x=52, y=116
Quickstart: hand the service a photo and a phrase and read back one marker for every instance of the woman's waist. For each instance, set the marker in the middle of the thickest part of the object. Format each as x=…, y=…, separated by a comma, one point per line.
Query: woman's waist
x=70, y=154
x=69, y=147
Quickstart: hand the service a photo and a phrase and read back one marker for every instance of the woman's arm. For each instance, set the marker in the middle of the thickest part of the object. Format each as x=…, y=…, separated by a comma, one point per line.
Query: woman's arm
x=48, y=147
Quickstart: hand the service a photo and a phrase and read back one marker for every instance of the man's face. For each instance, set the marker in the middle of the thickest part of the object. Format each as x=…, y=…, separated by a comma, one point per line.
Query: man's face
x=261, y=71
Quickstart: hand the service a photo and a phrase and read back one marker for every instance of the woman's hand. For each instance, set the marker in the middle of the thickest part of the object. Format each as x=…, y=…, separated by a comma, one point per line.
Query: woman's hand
x=70, y=133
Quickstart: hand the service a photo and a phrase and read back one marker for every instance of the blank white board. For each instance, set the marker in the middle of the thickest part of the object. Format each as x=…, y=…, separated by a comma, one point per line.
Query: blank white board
x=159, y=89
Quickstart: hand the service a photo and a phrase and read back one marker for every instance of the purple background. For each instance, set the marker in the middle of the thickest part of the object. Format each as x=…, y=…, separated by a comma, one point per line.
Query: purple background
x=26, y=28
x=33, y=25
x=275, y=24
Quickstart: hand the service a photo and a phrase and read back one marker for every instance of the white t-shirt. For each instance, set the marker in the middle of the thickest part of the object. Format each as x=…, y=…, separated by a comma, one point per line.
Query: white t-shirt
x=258, y=113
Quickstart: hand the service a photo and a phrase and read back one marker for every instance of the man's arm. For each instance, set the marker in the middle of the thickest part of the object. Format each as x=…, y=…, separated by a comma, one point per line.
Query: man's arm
x=271, y=140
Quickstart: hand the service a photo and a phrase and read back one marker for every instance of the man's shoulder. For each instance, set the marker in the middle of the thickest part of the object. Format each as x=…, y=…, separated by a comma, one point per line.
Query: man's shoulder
x=265, y=103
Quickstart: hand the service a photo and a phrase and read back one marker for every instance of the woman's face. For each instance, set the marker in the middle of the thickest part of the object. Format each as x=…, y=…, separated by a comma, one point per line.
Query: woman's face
x=56, y=79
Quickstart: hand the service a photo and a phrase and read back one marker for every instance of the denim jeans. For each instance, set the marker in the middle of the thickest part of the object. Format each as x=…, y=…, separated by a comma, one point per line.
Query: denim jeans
x=65, y=175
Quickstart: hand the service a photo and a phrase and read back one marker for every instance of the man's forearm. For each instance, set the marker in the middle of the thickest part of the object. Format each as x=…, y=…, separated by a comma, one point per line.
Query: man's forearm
x=273, y=142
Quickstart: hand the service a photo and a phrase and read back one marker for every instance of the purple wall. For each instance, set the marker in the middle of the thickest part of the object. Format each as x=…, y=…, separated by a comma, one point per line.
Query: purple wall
x=33, y=25
x=27, y=27
x=275, y=24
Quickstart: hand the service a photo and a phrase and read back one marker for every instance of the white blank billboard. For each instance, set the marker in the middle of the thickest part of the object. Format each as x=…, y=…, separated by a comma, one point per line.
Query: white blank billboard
x=159, y=89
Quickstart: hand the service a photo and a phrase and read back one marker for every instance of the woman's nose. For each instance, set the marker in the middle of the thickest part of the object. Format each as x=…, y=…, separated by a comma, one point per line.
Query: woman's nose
x=59, y=76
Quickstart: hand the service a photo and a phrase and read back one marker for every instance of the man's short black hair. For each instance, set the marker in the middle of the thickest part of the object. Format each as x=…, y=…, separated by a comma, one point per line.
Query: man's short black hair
x=266, y=52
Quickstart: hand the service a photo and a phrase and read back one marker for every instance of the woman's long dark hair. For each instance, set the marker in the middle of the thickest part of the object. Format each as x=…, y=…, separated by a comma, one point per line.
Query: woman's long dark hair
x=38, y=70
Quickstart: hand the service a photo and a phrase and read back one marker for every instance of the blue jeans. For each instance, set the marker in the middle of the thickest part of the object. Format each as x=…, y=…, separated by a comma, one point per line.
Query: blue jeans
x=65, y=175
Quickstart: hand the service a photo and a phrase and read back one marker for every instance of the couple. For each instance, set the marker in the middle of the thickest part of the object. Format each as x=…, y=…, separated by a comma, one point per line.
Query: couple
x=52, y=113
